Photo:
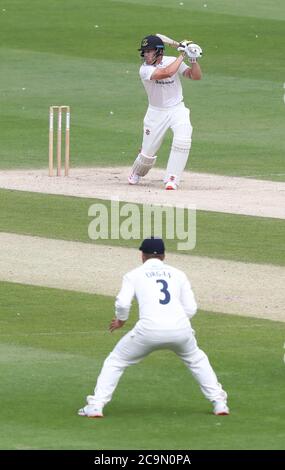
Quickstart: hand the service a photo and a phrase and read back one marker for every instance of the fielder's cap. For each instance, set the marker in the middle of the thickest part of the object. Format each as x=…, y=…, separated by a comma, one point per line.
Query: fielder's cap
x=153, y=245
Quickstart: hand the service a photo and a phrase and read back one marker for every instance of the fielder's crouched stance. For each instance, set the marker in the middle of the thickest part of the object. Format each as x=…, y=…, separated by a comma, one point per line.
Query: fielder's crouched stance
x=166, y=110
x=166, y=303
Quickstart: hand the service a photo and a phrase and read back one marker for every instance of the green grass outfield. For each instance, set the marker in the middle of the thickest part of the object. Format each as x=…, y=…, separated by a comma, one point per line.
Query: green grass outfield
x=85, y=55
x=219, y=235
x=52, y=347
x=53, y=342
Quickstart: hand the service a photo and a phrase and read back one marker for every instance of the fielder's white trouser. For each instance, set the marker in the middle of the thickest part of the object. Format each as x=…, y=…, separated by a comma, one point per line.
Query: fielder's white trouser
x=137, y=344
x=156, y=123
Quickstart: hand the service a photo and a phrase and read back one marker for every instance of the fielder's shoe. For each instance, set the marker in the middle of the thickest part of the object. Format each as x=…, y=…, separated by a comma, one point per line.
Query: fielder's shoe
x=171, y=183
x=220, y=408
x=91, y=411
x=133, y=178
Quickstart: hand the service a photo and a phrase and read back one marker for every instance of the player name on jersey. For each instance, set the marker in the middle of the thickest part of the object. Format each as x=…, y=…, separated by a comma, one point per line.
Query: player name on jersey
x=158, y=274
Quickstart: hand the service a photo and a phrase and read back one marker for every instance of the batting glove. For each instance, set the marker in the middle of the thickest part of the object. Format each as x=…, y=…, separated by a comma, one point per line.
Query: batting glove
x=183, y=45
x=193, y=52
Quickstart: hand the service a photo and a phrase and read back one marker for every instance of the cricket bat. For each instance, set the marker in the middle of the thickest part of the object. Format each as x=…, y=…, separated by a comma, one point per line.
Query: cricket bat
x=168, y=41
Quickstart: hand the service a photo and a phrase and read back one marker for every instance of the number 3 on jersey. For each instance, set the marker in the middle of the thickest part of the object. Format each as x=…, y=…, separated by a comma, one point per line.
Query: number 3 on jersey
x=164, y=291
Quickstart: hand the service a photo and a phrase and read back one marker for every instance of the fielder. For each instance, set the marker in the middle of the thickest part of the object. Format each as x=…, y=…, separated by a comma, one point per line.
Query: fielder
x=160, y=77
x=166, y=304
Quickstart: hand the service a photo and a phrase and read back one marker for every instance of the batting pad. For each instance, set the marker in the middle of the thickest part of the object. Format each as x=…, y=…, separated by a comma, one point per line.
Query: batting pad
x=143, y=164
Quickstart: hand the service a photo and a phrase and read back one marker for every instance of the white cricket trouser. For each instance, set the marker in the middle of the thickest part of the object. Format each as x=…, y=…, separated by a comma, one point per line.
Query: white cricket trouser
x=156, y=123
x=137, y=344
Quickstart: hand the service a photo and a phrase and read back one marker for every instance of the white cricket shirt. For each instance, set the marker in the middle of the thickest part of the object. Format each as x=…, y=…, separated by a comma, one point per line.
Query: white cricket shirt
x=164, y=295
x=165, y=92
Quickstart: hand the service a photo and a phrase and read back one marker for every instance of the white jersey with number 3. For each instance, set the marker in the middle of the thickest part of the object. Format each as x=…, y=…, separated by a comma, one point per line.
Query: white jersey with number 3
x=165, y=92
x=166, y=300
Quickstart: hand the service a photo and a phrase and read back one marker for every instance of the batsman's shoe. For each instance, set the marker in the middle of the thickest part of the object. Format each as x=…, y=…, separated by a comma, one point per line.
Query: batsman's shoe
x=171, y=183
x=133, y=178
x=221, y=408
x=91, y=411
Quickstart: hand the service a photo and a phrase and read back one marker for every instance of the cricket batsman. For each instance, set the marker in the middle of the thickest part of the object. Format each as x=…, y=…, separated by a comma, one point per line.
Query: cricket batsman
x=160, y=76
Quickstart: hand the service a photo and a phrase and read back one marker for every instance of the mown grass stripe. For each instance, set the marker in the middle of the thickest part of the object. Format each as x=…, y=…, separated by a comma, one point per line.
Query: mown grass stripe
x=223, y=236
x=40, y=394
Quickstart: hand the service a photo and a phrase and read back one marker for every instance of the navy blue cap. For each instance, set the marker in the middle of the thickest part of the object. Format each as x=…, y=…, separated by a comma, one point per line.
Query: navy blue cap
x=153, y=245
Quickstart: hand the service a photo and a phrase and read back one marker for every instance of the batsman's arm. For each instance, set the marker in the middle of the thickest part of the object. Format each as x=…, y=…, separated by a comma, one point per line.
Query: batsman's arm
x=168, y=71
x=194, y=72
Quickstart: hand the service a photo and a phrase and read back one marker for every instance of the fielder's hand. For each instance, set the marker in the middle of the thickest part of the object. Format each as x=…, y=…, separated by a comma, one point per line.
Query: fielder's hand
x=115, y=324
x=193, y=52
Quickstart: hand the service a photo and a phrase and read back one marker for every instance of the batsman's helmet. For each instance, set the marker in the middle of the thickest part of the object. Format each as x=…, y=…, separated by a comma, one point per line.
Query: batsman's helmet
x=151, y=42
